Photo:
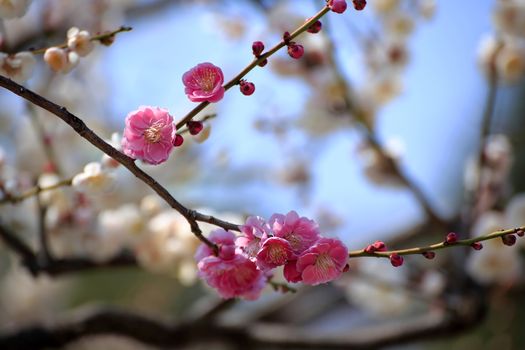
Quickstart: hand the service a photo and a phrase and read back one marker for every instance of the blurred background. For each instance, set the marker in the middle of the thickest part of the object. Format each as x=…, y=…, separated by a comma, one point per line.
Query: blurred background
x=401, y=122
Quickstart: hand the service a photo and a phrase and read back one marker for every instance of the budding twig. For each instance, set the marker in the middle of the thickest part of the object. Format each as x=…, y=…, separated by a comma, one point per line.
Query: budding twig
x=435, y=246
x=103, y=37
x=256, y=61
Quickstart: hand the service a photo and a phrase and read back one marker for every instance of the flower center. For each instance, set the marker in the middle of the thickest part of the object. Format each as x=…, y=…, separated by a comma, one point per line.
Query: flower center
x=324, y=262
x=206, y=80
x=276, y=254
x=152, y=134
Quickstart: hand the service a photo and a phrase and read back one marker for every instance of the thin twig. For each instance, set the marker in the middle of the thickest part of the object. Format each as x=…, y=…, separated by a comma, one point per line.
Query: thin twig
x=436, y=246
x=376, y=144
x=44, y=139
x=98, y=37
x=235, y=80
x=9, y=198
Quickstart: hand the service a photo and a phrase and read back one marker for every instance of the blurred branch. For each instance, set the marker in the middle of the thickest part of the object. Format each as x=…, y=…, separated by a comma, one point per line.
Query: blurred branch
x=44, y=139
x=9, y=198
x=472, y=203
x=258, y=335
x=43, y=253
x=376, y=144
x=191, y=216
x=105, y=38
x=55, y=267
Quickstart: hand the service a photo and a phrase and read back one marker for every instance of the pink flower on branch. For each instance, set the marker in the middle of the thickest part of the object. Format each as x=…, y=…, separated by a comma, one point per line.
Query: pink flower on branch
x=323, y=262
x=225, y=240
x=254, y=231
x=149, y=134
x=274, y=252
x=237, y=277
x=301, y=232
x=204, y=83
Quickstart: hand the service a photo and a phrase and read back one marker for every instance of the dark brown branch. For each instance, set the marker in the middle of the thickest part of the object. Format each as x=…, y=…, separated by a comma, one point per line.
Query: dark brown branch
x=54, y=267
x=258, y=335
x=80, y=127
x=18, y=246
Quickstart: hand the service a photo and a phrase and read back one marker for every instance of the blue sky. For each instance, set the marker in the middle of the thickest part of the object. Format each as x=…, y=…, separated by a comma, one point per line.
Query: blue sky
x=437, y=116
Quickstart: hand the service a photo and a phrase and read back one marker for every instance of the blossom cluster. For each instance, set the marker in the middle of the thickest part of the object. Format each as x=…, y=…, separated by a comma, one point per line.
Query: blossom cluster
x=244, y=264
x=503, y=52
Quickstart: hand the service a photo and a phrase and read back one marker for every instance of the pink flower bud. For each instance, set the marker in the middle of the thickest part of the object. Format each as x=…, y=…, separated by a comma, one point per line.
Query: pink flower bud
x=509, y=240
x=520, y=232
x=295, y=51
x=315, y=27
x=359, y=4
x=452, y=237
x=247, y=88
x=257, y=48
x=337, y=6
x=286, y=37
x=477, y=246
x=370, y=249
x=429, y=255
x=379, y=246
x=195, y=127
x=396, y=260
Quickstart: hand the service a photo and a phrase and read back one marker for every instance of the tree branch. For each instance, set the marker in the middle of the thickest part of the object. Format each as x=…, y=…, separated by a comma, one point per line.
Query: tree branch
x=191, y=216
x=259, y=335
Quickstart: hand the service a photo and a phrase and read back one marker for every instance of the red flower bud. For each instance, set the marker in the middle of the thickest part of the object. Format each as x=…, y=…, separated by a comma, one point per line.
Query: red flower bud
x=477, y=246
x=195, y=127
x=295, y=51
x=247, y=88
x=429, y=255
x=452, y=237
x=257, y=48
x=359, y=4
x=396, y=260
x=508, y=240
x=315, y=27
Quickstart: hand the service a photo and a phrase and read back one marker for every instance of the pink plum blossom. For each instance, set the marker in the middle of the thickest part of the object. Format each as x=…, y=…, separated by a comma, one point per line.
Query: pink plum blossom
x=255, y=229
x=274, y=252
x=225, y=240
x=323, y=262
x=204, y=83
x=237, y=277
x=301, y=232
x=149, y=134
x=290, y=272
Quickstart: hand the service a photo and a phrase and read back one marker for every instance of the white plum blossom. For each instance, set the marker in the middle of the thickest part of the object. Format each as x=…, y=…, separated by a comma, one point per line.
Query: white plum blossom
x=94, y=179
x=117, y=229
x=169, y=247
x=13, y=8
x=496, y=262
x=79, y=41
x=515, y=211
x=18, y=67
x=378, y=289
x=61, y=60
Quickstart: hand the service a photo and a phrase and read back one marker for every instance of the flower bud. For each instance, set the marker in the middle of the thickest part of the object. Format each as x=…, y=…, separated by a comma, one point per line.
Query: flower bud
x=295, y=51
x=247, y=88
x=257, y=48
x=396, y=260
